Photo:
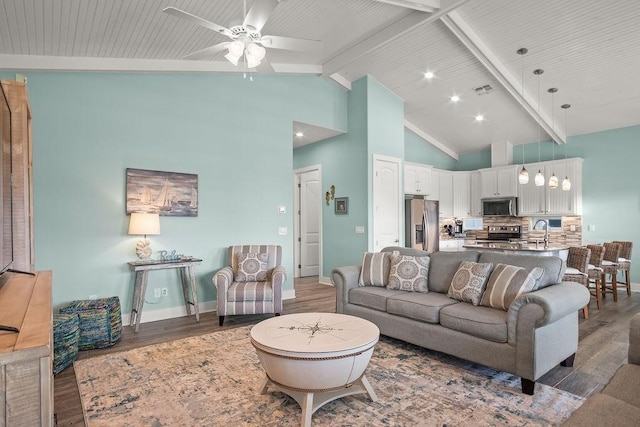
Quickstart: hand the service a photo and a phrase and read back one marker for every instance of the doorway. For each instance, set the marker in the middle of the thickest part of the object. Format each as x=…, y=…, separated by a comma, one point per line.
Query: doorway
x=308, y=221
x=387, y=202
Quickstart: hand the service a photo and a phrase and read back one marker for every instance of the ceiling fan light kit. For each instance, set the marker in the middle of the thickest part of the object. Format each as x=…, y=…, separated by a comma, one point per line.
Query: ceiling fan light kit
x=246, y=38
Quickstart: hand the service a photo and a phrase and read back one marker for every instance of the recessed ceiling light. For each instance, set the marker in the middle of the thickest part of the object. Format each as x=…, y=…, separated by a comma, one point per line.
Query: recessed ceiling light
x=299, y=134
x=455, y=98
x=479, y=118
x=428, y=75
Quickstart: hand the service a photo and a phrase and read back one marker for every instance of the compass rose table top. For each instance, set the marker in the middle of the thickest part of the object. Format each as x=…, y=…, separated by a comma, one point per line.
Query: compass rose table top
x=315, y=332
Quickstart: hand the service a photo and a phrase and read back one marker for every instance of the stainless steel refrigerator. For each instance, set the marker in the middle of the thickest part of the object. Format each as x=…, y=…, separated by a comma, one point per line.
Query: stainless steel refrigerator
x=422, y=227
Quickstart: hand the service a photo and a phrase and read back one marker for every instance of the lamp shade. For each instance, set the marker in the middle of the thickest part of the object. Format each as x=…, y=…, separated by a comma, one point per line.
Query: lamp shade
x=144, y=223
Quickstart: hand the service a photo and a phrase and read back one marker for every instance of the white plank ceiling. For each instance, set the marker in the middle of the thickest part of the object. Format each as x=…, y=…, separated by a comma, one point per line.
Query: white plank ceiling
x=589, y=49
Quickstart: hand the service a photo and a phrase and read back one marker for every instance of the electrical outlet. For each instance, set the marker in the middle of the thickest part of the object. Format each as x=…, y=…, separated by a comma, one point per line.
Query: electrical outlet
x=157, y=292
x=165, y=292
x=93, y=296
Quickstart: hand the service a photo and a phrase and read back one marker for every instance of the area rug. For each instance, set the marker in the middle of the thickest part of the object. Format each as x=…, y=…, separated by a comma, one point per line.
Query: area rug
x=215, y=379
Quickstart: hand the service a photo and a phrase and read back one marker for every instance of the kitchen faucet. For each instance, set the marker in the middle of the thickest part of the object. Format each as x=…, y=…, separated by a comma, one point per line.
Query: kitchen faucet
x=546, y=230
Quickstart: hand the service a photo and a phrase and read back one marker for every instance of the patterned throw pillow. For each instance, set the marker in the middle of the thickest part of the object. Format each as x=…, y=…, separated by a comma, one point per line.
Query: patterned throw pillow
x=409, y=273
x=375, y=269
x=469, y=281
x=506, y=283
x=252, y=267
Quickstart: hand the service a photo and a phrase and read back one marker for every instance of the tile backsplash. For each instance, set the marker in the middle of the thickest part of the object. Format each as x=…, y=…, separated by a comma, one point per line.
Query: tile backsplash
x=570, y=234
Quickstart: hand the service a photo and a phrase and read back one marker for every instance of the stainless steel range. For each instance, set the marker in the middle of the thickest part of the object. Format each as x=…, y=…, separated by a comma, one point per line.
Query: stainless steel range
x=502, y=233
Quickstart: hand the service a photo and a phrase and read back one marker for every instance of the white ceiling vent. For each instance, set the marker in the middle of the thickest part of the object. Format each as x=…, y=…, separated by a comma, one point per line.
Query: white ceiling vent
x=483, y=90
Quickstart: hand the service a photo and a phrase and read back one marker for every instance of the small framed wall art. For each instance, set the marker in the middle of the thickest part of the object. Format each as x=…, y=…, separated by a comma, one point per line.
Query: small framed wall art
x=165, y=193
x=342, y=206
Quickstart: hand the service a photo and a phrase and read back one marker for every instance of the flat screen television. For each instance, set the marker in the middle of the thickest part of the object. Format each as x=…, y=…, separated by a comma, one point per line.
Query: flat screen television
x=6, y=219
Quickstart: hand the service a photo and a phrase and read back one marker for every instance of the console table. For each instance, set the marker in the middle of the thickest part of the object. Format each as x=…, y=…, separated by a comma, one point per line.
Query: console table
x=188, y=279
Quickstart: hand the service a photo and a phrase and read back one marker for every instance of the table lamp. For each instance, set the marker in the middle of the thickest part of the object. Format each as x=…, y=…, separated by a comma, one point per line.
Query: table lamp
x=144, y=223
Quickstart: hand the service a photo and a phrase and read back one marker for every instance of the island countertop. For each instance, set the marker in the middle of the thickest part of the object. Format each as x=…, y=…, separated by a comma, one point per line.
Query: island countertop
x=522, y=248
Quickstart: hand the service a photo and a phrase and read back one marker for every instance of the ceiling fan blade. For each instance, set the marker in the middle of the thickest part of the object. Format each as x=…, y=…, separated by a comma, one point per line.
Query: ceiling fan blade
x=265, y=67
x=259, y=13
x=288, y=43
x=207, y=51
x=197, y=20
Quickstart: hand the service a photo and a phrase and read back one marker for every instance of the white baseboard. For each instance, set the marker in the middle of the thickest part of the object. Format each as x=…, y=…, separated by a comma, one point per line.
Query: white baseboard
x=325, y=281
x=173, y=312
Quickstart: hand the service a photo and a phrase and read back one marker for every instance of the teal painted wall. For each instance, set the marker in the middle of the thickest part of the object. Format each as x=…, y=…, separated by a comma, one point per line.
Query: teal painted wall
x=473, y=161
x=235, y=134
x=344, y=164
x=417, y=150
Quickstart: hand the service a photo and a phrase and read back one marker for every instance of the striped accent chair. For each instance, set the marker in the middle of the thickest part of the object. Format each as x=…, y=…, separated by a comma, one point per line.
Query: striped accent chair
x=238, y=296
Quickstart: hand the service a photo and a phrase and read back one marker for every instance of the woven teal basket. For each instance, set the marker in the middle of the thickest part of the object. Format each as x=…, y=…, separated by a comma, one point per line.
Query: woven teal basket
x=66, y=334
x=100, y=321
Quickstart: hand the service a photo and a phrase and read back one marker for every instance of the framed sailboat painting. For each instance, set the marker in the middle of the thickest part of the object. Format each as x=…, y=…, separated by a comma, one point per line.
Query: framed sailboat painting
x=167, y=193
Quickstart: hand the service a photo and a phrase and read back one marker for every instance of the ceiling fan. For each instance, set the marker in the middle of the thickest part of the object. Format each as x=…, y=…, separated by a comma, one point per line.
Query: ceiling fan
x=246, y=40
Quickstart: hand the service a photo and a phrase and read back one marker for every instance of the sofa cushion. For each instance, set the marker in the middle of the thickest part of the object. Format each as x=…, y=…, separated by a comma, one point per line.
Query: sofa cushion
x=371, y=297
x=252, y=267
x=506, y=283
x=553, y=266
x=419, y=306
x=375, y=269
x=444, y=265
x=250, y=291
x=604, y=410
x=469, y=282
x=408, y=273
x=482, y=322
x=624, y=384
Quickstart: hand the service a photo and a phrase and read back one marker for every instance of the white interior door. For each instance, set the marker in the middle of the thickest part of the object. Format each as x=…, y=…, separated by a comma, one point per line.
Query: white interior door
x=387, y=202
x=309, y=224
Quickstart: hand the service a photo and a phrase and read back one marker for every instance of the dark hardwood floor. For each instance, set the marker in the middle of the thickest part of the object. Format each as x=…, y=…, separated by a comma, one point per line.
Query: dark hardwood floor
x=602, y=348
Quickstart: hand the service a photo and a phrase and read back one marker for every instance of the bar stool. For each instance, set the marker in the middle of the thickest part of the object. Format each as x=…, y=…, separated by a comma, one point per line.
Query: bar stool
x=576, y=271
x=594, y=272
x=624, y=262
x=610, y=267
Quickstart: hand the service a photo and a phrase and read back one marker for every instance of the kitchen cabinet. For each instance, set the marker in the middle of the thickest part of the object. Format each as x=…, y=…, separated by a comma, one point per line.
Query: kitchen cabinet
x=461, y=194
x=446, y=191
x=500, y=181
x=475, y=190
x=543, y=200
x=421, y=180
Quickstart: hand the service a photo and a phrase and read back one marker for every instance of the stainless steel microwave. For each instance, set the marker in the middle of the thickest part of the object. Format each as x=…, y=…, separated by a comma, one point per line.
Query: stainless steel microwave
x=503, y=206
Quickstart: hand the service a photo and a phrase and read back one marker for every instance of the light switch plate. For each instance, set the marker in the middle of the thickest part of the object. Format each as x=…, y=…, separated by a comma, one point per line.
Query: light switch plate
x=282, y=210
x=282, y=231
x=359, y=229
x=591, y=227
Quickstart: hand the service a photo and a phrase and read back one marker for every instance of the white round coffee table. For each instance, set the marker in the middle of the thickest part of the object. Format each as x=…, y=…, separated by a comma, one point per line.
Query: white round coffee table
x=315, y=357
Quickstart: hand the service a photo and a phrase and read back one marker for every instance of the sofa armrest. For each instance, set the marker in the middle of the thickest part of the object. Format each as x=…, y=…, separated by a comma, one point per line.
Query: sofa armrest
x=555, y=301
x=278, y=276
x=634, y=340
x=344, y=278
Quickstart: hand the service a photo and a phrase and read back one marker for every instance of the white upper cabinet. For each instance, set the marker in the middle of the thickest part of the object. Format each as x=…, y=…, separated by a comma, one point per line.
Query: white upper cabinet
x=500, y=181
x=445, y=179
x=476, y=194
x=462, y=194
x=421, y=180
x=544, y=200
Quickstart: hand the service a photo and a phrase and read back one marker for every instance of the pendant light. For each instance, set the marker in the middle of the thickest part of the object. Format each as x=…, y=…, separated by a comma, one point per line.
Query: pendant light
x=566, y=184
x=539, y=179
x=523, y=176
x=553, y=179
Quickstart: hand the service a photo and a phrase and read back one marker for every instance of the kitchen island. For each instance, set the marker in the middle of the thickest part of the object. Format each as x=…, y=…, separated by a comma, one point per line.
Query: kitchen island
x=560, y=251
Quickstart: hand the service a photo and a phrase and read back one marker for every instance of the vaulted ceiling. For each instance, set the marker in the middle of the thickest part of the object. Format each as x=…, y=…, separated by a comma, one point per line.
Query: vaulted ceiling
x=589, y=50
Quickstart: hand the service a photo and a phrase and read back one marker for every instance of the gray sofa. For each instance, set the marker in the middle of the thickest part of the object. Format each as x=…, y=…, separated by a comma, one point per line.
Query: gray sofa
x=538, y=332
x=619, y=403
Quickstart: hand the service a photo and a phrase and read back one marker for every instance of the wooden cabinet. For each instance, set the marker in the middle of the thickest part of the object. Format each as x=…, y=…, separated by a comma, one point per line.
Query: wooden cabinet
x=26, y=358
x=462, y=194
x=533, y=200
x=500, y=181
x=421, y=180
x=446, y=191
x=22, y=184
x=476, y=194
